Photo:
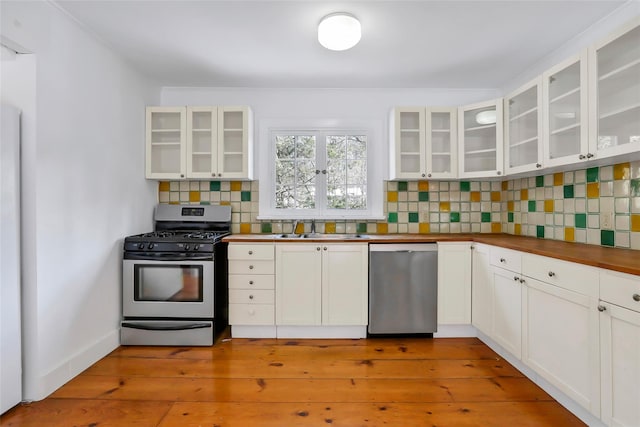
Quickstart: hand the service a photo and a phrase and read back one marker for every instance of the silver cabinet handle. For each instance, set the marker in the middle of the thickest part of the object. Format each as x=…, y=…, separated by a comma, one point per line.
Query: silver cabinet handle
x=551, y=274
x=601, y=308
x=636, y=297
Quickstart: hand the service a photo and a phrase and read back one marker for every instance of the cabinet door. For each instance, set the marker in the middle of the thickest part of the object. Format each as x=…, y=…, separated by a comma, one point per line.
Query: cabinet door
x=202, y=142
x=166, y=142
x=507, y=311
x=614, y=92
x=345, y=284
x=408, y=143
x=564, y=95
x=454, y=283
x=482, y=289
x=523, y=128
x=298, y=284
x=561, y=341
x=235, y=143
x=480, y=128
x=441, y=143
x=620, y=356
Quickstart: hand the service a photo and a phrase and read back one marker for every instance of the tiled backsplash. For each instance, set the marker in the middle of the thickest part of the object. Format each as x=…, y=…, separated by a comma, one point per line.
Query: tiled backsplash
x=599, y=205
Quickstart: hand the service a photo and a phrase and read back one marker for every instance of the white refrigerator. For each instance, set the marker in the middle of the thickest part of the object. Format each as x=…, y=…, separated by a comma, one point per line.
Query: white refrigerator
x=10, y=301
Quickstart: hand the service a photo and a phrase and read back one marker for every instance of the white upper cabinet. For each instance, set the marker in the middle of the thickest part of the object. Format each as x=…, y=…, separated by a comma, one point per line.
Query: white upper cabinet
x=166, y=143
x=480, y=128
x=564, y=97
x=423, y=143
x=523, y=128
x=199, y=143
x=614, y=85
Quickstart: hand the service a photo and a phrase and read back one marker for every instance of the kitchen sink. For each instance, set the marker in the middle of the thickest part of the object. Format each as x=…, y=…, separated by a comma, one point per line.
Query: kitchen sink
x=321, y=236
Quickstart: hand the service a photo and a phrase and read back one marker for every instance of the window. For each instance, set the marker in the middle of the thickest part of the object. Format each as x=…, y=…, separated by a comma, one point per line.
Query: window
x=318, y=174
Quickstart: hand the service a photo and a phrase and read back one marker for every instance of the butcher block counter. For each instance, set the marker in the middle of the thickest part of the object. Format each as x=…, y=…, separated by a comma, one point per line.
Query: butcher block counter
x=622, y=260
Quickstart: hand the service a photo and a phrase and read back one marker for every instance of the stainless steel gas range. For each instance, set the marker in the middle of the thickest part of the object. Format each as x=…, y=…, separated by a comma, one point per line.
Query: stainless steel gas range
x=174, y=279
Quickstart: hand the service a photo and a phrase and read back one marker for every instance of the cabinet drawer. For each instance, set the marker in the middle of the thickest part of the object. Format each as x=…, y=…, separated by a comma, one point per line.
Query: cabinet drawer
x=506, y=258
x=251, y=267
x=251, y=281
x=251, y=251
x=579, y=278
x=248, y=296
x=252, y=314
x=620, y=289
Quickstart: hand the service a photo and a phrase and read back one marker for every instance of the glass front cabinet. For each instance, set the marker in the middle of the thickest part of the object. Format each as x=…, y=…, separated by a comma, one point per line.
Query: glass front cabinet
x=199, y=143
x=423, y=143
x=614, y=92
x=523, y=128
x=480, y=134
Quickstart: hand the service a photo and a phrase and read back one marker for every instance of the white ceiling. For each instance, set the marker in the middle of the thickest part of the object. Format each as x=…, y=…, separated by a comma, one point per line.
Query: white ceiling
x=267, y=43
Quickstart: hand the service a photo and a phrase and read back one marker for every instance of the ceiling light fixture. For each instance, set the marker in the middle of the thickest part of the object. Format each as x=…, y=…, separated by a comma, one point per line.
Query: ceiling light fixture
x=339, y=31
x=487, y=117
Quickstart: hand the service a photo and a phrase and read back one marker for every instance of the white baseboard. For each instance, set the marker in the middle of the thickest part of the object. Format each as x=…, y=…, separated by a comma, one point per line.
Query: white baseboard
x=455, y=331
x=246, y=331
x=74, y=365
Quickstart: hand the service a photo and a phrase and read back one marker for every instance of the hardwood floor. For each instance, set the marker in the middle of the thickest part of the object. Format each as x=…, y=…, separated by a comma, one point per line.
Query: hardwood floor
x=374, y=382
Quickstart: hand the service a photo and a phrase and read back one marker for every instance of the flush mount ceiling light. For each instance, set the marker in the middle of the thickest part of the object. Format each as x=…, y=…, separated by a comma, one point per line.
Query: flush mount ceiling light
x=339, y=31
x=487, y=117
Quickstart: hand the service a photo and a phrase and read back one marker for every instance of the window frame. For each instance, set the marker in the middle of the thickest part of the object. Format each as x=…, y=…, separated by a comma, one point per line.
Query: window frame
x=321, y=128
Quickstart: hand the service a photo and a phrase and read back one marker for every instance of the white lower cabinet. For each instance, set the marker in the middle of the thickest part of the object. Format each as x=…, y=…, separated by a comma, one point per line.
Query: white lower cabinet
x=321, y=284
x=507, y=310
x=481, y=289
x=620, y=348
x=454, y=283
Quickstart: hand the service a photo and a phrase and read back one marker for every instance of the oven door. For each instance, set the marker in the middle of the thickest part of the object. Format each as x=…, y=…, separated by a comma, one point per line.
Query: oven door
x=168, y=289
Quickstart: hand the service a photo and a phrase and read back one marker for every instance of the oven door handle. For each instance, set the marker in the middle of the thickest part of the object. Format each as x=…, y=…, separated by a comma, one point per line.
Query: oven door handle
x=151, y=327
x=156, y=257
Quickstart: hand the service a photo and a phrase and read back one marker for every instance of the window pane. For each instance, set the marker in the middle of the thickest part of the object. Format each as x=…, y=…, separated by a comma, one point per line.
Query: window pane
x=285, y=197
x=285, y=147
x=336, y=197
x=305, y=147
x=336, y=147
x=357, y=172
x=357, y=197
x=285, y=171
x=357, y=147
x=306, y=197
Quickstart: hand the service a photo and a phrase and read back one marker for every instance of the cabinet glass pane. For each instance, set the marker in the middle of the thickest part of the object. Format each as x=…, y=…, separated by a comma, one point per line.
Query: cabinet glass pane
x=165, y=158
x=564, y=81
x=441, y=121
x=232, y=141
x=201, y=163
x=480, y=139
x=165, y=121
x=441, y=163
x=233, y=120
x=409, y=142
x=524, y=154
x=233, y=163
x=410, y=163
x=201, y=120
x=523, y=128
x=165, y=136
x=201, y=141
x=564, y=112
x=619, y=91
x=523, y=102
x=440, y=142
x=410, y=120
x=564, y=143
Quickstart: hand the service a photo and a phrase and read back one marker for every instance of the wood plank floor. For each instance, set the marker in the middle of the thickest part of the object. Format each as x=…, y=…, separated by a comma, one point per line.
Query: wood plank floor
x=392, y=382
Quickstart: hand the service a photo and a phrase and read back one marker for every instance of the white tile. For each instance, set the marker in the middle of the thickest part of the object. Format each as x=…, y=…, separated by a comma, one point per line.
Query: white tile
x=465, y=207
x=444, y=228
x=558, y=233
x=475, y=227
x=549, y=232
x=454, y=196
x=474, y=186
x=454, y=228
x=403, y=207
x=445, y=217
x=184, y=196
x=593, y=221
x=174, y=186
x=539, y=193
x=496, y=186
x=548, y=180
x=606, y=189
x=465, y=217
x=558, y=192
x=205, y=196
x=403, y=217
x=496, y=207
x=413, y=207
x=485, y=227
x=485, y=186
x=414, y=227
x=245, y=186
x=531, y=182
x=215, y=196
x=635, y=240
x=606, y=204
x=606, y=173
x=434, y=196
x=581, y=236
x=235, y=196
x=465, y=227
x=476, y=206
x=496, y=217
x=569, y=205
x=434, y=228
x=434, y=217
x=454, y=186
x=548, y=219
x=622, y=223
x=413, y=196
x=163, y=197
x=403, y=228
x=402, y=196
x=194, y=186
x=622, y=239
x=568, y=178
x=444, y=186
x=516, y=184
x=485, y=196
x=204, y=186
x=225, y=196
x=622, y=205
x=621, y=188
x=412, y=186
x=486, y=206
x=558, y=205
x=593, y=205
x=434, y=206
x=579, y=190
x=558, y=219
x=517, y=217
x=225, y=186
x=580, y=176
x=392, y=228
x=393, y=185
x=569, y=220
x=635, y=204
x=392, y=207
x=593, y=236
x=465, y=196
x=245, y=217
x=455, y=207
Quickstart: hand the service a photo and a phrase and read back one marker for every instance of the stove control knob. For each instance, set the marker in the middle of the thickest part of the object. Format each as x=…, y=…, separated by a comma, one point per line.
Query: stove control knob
x=151, y=245
x=140, y=245
x=187, y=247
x=196, y=247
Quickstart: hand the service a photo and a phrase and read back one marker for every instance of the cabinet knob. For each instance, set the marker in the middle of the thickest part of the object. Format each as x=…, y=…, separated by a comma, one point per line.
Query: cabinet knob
x=636, y=297
x=213, y=174
x=423, y=175
x=251, y=282
x=582, y=157
x=499, y=173
x=538, y=165
x=522, y=280
x=551, y=274
x=601, y=308
x=325, y=248
x=503, y=260
x=250, y=252
x=318, y=248
x=181, y=175
x=251, y=267
x=429, y=175
x=219, y=174
x=515, y=278
x=250, y=296
x=589, y=155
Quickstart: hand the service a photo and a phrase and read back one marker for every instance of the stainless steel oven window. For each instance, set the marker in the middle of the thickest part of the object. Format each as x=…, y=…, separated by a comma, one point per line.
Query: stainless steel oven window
x=175, y=283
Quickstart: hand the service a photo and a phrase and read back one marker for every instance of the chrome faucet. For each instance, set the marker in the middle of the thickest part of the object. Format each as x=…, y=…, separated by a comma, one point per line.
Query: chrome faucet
x=313, y=226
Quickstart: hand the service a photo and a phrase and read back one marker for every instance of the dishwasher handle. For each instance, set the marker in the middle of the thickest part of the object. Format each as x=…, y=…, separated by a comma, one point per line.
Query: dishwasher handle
x=403, y=247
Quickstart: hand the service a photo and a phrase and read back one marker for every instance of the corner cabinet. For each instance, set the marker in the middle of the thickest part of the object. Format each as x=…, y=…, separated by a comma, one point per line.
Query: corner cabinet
x=614, y=92
x=454, y=283
x=480, y=138
x=321, y=284
x=423, y=143
x=523, y=128
x=199, y=143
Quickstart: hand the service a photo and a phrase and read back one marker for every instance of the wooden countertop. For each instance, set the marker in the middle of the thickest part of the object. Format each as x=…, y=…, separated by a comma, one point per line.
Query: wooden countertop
x=623, y=260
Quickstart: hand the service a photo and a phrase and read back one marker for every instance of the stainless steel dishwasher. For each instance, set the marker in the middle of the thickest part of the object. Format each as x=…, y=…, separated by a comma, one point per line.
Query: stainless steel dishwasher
x=403, y=288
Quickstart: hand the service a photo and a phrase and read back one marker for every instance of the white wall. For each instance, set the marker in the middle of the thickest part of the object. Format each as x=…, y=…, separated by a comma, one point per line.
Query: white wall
x=83, y=188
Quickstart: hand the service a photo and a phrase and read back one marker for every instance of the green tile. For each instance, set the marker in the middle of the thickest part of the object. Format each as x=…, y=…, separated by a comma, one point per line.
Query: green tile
x=540, y=231
x=635, y=187
x=245, y=196
x=510, y=216
x=402, y=185
x=362, y=226
x=581, y=220
x=214, y=186
x=455, y=216
x=414, y=217
x=593, y=174
x=393, y=217
x=465, y=186
x=540, y=181
x=265, y=227
x=485, y=216
x=568, y=191
x=423, y=196
x=532, y=205
x=607, y=238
